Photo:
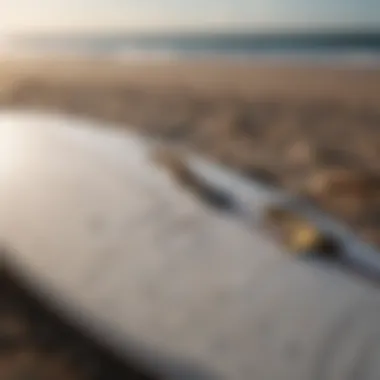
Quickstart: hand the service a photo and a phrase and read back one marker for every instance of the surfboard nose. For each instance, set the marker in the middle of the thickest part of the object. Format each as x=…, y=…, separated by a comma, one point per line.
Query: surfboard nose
x=126, y=253
x=13, y=143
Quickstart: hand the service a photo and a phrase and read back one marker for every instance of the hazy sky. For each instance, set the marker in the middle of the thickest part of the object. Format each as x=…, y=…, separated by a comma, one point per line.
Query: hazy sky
x=205, y=14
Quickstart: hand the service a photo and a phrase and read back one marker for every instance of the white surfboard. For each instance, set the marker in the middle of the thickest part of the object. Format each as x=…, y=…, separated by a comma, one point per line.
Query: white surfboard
x=192, y=291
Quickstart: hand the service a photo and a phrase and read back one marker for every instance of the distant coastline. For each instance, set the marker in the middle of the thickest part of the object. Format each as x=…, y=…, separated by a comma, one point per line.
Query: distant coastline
x=357, y=47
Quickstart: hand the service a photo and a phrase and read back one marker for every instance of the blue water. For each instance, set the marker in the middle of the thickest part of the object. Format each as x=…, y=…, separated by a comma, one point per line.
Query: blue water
x=355, y=47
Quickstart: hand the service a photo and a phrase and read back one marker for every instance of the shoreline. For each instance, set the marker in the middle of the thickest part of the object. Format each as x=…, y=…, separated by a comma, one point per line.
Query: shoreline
x=340, y=62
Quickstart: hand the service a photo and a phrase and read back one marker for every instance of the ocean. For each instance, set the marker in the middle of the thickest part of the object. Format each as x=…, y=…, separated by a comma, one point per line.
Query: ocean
x=326, y=47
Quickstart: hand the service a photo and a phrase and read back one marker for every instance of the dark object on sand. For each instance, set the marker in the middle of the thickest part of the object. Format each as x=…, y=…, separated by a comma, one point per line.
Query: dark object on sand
x=299, y=234
x=175, y=163
x=36, y=344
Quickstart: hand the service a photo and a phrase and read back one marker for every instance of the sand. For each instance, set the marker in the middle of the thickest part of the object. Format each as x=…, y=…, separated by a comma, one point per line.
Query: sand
x=314, y=131
x=36, y=344
x=311, y=130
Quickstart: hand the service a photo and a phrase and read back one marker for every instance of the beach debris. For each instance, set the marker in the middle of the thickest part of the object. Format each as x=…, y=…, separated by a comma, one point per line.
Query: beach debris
x=300, y=152
x=335, y=158
x=263, y=175
x=299, y=234
x=174, y=161
x=344, y=183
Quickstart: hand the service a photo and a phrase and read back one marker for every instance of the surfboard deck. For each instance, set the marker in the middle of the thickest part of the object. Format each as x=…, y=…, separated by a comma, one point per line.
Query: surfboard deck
x=107, y=237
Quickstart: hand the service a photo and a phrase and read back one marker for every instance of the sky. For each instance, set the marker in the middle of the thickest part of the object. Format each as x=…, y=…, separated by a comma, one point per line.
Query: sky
x=68, y=15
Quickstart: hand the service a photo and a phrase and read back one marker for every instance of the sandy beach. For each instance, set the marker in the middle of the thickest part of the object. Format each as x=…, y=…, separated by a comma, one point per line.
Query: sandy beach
x=314, y=131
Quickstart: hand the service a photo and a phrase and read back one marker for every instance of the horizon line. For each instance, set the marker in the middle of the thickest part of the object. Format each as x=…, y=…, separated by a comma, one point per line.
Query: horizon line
x=355, y=29
x=193, y=28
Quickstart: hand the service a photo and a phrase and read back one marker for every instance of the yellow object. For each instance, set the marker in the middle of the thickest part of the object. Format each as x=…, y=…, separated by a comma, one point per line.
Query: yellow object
x=304, y=238
x=299, y=234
